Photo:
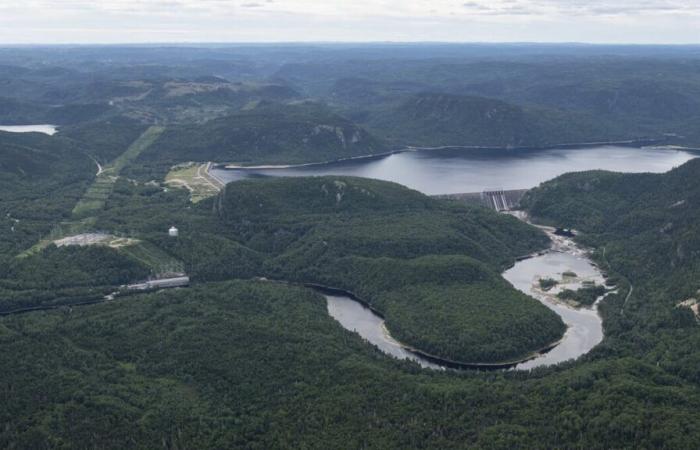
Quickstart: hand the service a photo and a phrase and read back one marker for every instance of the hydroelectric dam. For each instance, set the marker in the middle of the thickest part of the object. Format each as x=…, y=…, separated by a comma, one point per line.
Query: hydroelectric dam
x=498, y=200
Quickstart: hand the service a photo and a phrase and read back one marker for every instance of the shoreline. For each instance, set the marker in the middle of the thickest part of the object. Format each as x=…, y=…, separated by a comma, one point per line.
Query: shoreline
x=438, y=360
x=231, y=166
x=639, y=143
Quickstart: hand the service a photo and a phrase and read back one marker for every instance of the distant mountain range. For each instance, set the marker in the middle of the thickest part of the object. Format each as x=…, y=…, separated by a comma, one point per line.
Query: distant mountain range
x=255, y=102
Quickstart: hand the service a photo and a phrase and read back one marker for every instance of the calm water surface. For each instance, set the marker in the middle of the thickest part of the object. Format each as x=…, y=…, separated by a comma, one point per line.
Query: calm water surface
x=584, y=325
x=356, y=317
x=46, y=129
x=463, y=170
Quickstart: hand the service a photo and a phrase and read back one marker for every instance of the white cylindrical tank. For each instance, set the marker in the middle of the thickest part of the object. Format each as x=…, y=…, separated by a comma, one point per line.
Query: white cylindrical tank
x=173, y=232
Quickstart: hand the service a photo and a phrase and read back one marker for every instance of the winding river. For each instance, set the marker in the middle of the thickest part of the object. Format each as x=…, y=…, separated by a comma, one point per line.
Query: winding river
x=584, y=325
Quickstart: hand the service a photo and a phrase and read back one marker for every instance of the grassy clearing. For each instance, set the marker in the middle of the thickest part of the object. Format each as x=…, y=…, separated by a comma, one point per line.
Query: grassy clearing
x=97, y=195
x=160, y=263
x=194, y=178
x=142, y=143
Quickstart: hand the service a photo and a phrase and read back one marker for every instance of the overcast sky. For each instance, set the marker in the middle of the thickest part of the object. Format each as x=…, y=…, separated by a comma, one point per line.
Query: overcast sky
x=127, y=21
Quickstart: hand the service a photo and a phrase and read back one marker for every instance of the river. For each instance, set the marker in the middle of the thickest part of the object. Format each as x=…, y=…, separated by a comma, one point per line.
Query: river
x=450, y=171
x=45, y=129
x=584, y=325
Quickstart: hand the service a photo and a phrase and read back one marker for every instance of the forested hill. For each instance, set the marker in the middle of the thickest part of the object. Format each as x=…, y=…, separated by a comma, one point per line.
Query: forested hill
x=610, y=203
x=654, y=219
x=645, y=227
x=274, y=134
x=432, y=268
x=433, y=119
x=41, y=179
x=105, y=139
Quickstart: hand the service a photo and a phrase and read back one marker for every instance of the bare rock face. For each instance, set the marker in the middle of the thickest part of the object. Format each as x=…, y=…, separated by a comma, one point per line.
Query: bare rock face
x=346, y=136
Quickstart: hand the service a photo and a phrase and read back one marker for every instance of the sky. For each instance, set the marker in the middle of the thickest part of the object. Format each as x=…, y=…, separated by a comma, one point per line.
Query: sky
x=142, y=21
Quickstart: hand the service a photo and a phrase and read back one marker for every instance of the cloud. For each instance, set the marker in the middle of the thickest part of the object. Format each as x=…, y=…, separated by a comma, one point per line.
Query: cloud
x=362, y=8
x=321, y=20
x=550, y=8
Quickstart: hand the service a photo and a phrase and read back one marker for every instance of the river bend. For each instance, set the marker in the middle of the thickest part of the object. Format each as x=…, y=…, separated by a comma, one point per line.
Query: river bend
x=584, y=325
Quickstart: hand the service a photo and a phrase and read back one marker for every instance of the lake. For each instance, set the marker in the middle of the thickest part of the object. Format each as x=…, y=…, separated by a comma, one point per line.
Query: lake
x=449, y=171
x=45, y=129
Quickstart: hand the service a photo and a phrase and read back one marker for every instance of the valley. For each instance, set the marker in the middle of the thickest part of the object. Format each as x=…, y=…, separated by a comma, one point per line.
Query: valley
x=349, y=246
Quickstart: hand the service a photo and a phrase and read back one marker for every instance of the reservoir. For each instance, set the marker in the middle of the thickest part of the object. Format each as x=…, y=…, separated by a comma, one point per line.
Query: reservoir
x=449, y=171
x=45, y=129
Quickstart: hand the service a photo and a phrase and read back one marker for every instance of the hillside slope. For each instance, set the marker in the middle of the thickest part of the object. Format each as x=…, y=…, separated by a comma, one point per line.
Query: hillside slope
x=644, y=228
x=268, y=134
x=41, y=179
x=445, y=119
x=432, y=268
x=649, y=217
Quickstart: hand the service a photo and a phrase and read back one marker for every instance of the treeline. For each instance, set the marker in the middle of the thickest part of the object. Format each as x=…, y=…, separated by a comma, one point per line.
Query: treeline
x=106, y=139
x=435, y=119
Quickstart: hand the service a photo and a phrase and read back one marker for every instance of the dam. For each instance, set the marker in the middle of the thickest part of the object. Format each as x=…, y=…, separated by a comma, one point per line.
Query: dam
x=498, y=199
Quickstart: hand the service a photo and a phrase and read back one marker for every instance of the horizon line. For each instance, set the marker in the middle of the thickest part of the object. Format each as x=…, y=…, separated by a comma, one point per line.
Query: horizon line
x=348, y=42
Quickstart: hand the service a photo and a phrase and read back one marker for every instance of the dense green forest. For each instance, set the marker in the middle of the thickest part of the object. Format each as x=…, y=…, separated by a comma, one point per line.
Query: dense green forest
x=372, y=238
x=254, y=365
x=240, y=361
x=66, y=275
x=430, y=119
x=319, y=230
x=644, y=225
x=41, y=180
x=266, y=134
x=259, y=365
x=398, y=249
x=105, y=139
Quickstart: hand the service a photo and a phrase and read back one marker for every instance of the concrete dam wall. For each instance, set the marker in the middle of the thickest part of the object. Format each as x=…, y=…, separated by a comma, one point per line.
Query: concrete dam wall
x=498, y=200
